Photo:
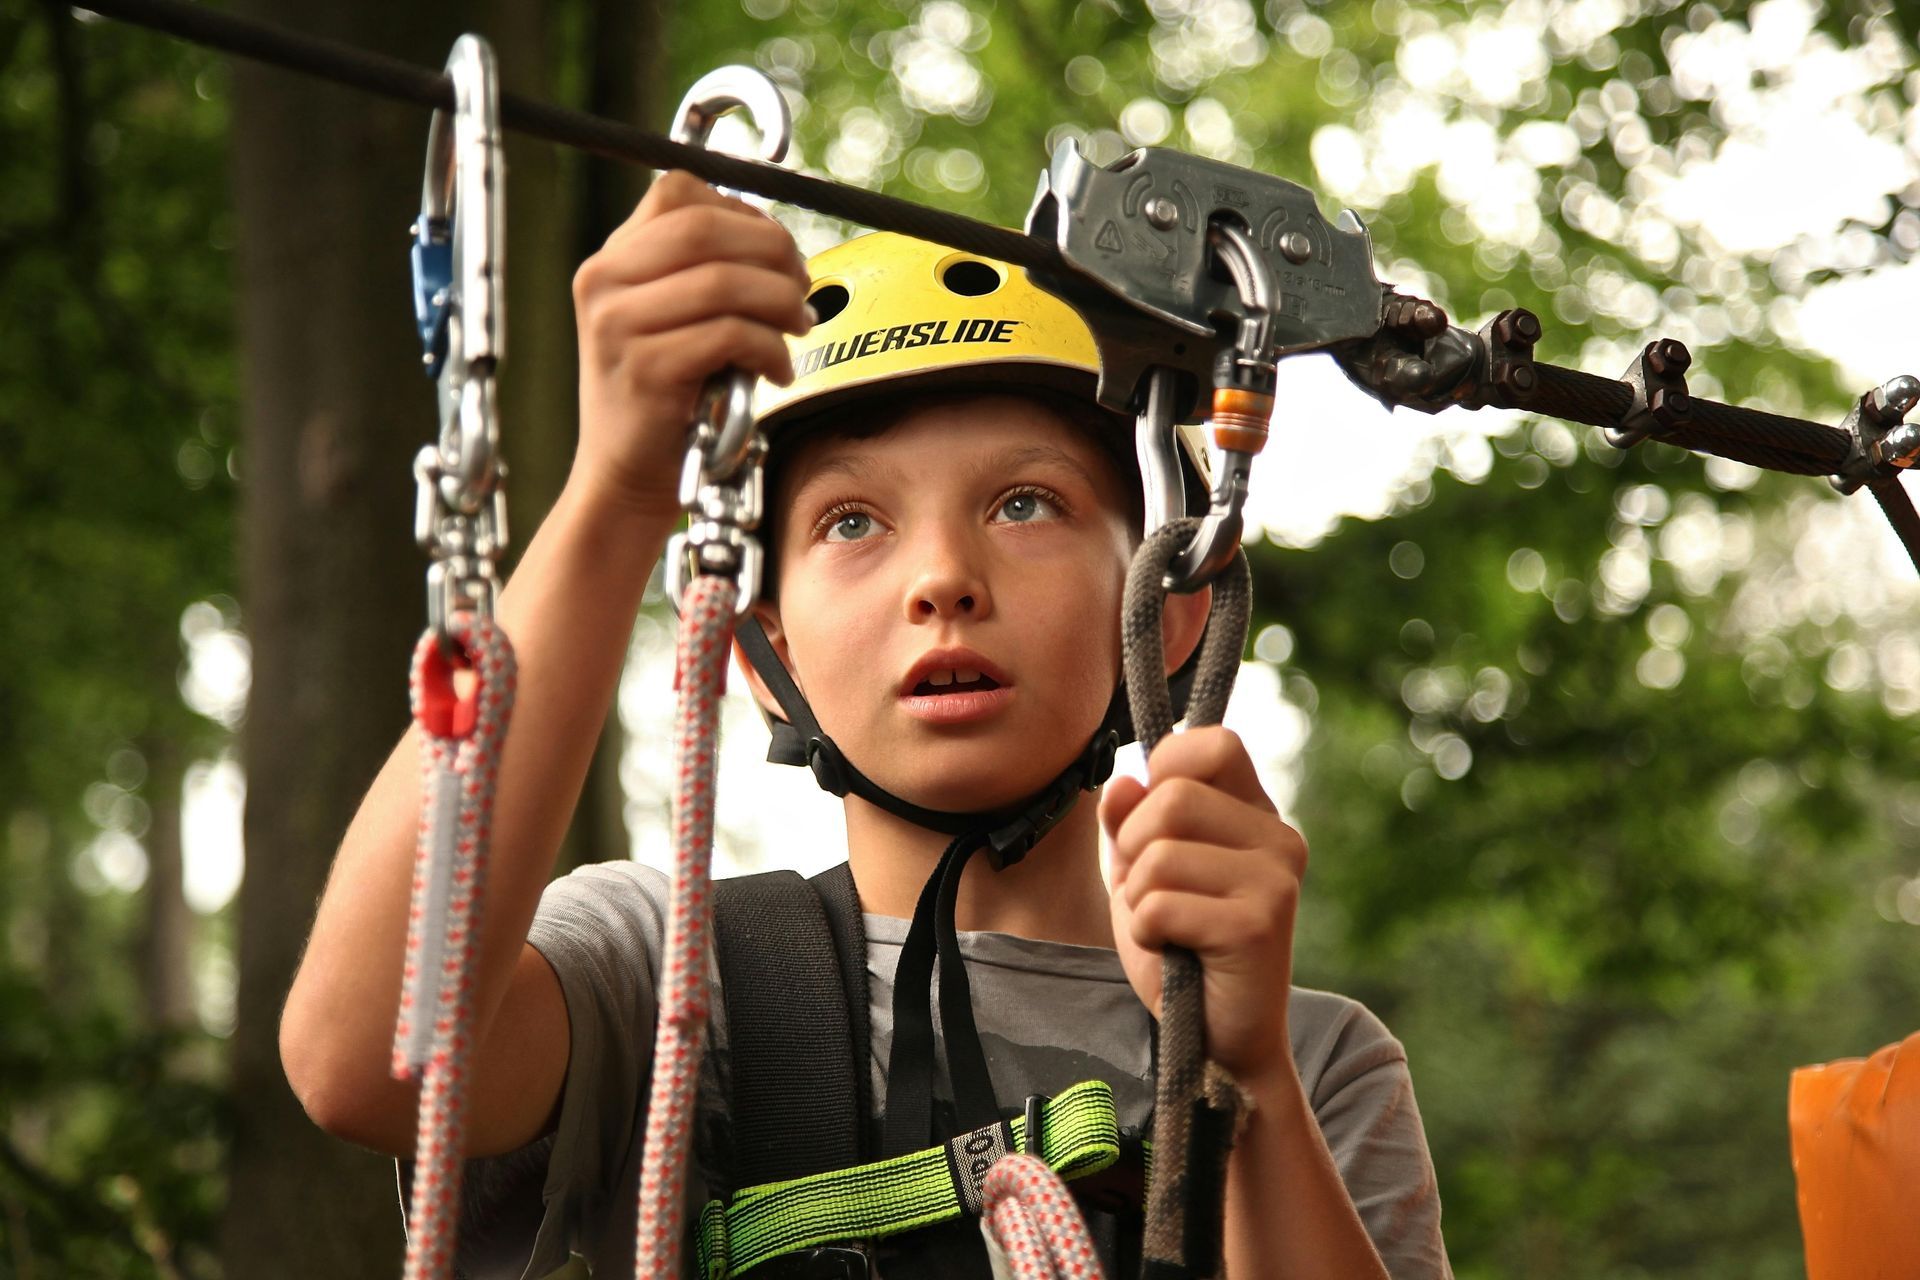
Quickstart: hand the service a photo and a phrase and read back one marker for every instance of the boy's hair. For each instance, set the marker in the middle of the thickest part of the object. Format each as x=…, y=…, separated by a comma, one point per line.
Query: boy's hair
x=871, y=417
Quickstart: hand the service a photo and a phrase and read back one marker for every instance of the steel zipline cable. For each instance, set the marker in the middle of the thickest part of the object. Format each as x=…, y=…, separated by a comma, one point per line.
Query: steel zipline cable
x=404, y=81
x=1751, y=436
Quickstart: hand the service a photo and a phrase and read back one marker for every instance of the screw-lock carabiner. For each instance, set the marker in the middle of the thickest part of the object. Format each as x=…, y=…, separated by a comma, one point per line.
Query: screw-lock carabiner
x=1243, y=381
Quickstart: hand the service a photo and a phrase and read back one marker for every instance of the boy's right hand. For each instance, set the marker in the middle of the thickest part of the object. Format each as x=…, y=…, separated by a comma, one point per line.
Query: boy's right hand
x=692, y=283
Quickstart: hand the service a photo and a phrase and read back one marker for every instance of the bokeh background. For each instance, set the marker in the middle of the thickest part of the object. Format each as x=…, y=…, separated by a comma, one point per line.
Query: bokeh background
x=1606, y=758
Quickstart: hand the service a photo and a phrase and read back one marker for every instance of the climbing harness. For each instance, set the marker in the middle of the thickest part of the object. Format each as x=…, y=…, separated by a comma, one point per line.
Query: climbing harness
x=460, y=519
x=1149, y=253
x=714, y=572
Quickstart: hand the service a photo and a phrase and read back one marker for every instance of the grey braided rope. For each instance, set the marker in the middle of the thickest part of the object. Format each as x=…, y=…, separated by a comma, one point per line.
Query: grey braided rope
x=1184, y=1077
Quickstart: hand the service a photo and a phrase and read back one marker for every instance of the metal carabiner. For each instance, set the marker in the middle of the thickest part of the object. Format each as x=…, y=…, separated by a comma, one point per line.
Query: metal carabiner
x=720, y=481
x=459, y=292
x=459, y=306
x=1243, y=382
x=1157, y=448
x=727, y=407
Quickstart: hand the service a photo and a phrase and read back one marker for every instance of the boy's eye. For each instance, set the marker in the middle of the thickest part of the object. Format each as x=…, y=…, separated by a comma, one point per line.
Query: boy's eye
x=850, y=526
x=1020, y=508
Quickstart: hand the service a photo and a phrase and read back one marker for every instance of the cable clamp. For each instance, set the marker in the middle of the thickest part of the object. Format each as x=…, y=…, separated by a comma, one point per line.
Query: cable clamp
x=1881, y=441
x=1508, y=377
x=1658, y=380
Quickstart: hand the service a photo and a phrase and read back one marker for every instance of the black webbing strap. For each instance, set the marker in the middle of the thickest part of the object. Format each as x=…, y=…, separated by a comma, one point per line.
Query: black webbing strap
x=911, y=1066
x=841, y=901
x=795, y=1088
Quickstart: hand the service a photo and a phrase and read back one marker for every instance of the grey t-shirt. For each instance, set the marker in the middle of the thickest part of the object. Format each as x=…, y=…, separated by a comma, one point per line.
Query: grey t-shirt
x=1049, y=1014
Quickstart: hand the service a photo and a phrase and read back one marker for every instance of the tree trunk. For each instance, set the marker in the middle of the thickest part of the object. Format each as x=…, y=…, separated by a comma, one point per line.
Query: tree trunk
x=326, y=182
x=626, y=45
x=166, y=935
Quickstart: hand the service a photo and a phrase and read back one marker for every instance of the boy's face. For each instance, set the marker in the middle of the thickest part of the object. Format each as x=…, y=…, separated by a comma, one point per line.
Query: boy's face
x=977, y=536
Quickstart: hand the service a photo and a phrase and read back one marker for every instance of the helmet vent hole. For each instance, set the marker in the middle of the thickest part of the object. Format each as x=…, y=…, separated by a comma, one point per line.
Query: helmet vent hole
x=970, y=279
x=828, y=301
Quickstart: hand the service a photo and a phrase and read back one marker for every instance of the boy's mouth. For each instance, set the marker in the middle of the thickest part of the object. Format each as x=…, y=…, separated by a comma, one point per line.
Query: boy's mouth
x=948, y=680
x=954, y=680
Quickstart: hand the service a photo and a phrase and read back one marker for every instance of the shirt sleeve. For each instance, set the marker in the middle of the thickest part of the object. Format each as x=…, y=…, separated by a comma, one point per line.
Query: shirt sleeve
x=525, y=1212
x=1362, y=1096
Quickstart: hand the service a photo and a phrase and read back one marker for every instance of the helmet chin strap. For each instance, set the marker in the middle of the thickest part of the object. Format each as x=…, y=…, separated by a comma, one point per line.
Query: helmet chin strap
x=932, y=938
x=1009, y=831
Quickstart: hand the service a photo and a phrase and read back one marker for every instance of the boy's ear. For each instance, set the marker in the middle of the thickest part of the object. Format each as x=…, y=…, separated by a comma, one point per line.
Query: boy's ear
x=1181, y=623
x=769, y=620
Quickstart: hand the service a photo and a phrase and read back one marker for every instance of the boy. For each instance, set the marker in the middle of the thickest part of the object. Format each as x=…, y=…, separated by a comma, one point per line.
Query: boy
x=946, y=589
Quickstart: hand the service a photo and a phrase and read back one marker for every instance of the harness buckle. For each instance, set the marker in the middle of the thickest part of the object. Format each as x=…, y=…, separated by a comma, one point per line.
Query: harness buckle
x=825, y=1262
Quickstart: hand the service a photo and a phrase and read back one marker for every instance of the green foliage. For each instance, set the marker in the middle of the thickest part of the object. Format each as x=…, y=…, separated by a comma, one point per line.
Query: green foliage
x=116, y=509
x=1608, y=918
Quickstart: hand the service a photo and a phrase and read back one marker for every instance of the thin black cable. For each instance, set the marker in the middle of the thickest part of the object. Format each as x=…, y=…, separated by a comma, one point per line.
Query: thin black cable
x=404, y=81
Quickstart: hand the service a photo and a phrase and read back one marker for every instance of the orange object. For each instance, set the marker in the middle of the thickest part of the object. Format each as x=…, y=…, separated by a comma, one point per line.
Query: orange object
x=1856, y=1157
x=1239, y=419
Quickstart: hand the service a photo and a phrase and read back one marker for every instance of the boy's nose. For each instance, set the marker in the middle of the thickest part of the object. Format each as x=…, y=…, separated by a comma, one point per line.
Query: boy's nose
x=947, y=588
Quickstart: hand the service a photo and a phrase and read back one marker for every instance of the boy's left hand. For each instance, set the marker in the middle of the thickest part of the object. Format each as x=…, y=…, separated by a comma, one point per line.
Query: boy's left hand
x=1201, y=859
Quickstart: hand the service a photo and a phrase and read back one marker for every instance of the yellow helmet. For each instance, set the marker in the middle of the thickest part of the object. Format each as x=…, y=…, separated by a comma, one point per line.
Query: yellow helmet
x=892, y=308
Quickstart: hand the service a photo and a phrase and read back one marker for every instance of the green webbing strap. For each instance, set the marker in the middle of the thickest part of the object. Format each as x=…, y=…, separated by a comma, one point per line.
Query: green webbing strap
x=1079, y=1135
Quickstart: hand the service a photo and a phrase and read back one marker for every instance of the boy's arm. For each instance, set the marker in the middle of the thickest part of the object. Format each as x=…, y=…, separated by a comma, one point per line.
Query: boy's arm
x=691, y=284
x=1288, y=1211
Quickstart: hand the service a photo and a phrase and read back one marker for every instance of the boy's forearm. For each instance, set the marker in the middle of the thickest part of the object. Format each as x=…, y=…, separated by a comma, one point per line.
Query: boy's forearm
x=569, y=612
x=1288, y=1212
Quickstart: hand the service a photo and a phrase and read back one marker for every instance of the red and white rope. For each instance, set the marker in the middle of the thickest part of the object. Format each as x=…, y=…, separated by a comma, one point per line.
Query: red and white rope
x=460, y=754
x=1029, y=1213
x=700, y=675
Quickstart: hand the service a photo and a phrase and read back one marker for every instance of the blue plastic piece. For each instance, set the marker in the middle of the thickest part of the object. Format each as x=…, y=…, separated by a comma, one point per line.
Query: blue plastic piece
x=432, y=283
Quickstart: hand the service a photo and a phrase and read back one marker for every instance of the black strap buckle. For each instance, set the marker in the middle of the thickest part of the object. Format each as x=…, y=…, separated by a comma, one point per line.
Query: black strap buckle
x=826, y=1262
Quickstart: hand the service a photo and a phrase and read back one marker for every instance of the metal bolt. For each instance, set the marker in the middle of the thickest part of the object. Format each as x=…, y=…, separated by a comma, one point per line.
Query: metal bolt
x=1516, y=327
x=1895, y=398
x=1900, y=446
x=1664, y=403
x=1162, y=213
x=1520, y=377
x=1296, y=246
x=1668, y=355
